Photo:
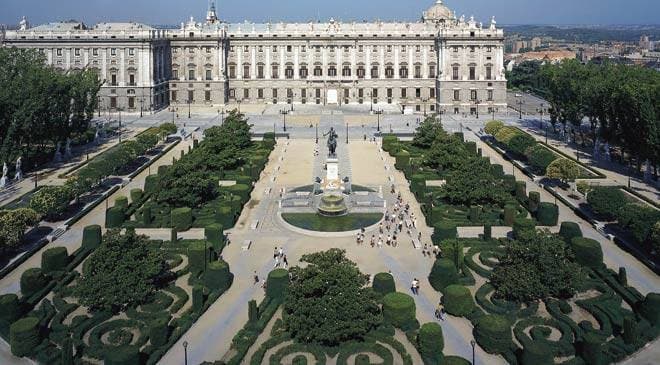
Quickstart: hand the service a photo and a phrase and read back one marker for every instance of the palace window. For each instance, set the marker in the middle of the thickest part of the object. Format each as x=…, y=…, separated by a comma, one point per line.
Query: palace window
x=389, y=72
x=374, y=72
x=260, y=93
x=403, y=72
x=131, y=102
x=404, y=93
x=174, y=96
x=275, y=71
x=303, y=71
x=490, y=95
x=432, y=92
x=131, y=51
x=113, y=79
x=418, y=71
x=260, y=71
x=260, y=49
x=209, y=75
x=318, y=71
x=207, y=95
x=346, y=71
x=175, y=74
x=454, y=75
x=246, y=71
x=246, y=93
x=431, y=71
x=274, y=93
x=288, y=72
x=332, y=71
x=274, y=48
x=131, y=80
x=191, y=75
x=457, y=95
x=95, y=52
x=77, y=52
x=489, y=72
x=360, y=72
x=473, y=95
x=418, y=48
x=473, y=73
x=113, y=52
x=288, y=49
x=418, y=93
x=232, y=71
x=246, y=49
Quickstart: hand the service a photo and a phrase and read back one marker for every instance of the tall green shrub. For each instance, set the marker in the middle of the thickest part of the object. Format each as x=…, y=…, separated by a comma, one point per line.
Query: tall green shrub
x=125, y=355
x=197, y=298
x=383, y=283
x=32, y=280
x=493, y=333
x=277, y=284
x=569, y=230
x=534, y=201
x=215, y=235
x=431, y=343
x=649, y=308
x=547, y=214
x=159, y=331
x=536, y=353
x=181, y=219
x=444, y=230
x=54, y=259
x=509, y=214
x=136, y=195
x=522, y=226
x=457, y=300
x=9, y=307
x=92, y=236
x=587, y=252
x=24, y=336
x=114, y=217
x=443, y=274
x=399, y=309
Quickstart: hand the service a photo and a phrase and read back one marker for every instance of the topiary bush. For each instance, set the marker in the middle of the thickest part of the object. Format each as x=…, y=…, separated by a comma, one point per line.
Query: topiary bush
x=197, y=298
x=590, y=349
x=277, y=284
x=146, y=215
x=509, y=214
x=488, y=232
x=181, y=219
x=649, y=308
x=540, y=158
x=548, y=214
x=54, y=259
x=509, y=183
x=9, y=308
x=114, y=217
x=475, y=214
x=493, y=127
x=383, y=283
x=159, y=331
x=630, y=334
x=457, y=300
x=399, y=309
x=534, y=201
x=444, y=230
x=431, y=343
x=443, y=274
x=493, y=333
x=522, y=226
x=241, y=190
x=24, y=336
x=217, y=276
x=150, y=183
x=121, y=202
x=587, y=252
x=198, y=257
x=453, y=250
x=606, y=201
x=215, y=235
x=497, y=170
x=521, y=190
x=569, y=230
x=32, y=280
x=124, y=355
x=224, y=216
x=92, y=236
x=402, y=160
x=136, y=195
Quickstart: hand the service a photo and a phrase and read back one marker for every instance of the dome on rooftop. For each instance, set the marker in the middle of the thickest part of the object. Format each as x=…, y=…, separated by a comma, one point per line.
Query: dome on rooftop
x=438, y=12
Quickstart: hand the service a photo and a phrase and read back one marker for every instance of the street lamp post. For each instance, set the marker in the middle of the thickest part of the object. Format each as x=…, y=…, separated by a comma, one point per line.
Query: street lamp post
x=98, y=98
x=317, y=133
x=185, y=352
x=476, y=103
x=189, y=102
x=119, y=110
x=346, y=133
x=284, y=112
x=425, y=101
x=293, y=99
x=222, y=117
x=141, y=107
x=541, y=111
x=371, y=100
x=520, y=103
x=378, y=113
x=493, y=110
x=239, y=105
x=473, y=345
x=173, y=113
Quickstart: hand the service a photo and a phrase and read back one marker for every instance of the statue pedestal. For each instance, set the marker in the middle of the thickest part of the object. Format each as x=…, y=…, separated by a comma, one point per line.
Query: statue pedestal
x=332, y=165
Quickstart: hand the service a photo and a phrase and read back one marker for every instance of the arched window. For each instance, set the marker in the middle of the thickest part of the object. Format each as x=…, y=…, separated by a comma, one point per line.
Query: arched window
x=375, y=70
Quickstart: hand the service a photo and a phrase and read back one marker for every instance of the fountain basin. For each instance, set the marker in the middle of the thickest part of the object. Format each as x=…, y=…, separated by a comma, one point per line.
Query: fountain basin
x=332, y=205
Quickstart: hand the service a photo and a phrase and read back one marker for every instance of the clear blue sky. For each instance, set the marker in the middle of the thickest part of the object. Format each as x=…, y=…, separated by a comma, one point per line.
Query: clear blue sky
x=176, y=11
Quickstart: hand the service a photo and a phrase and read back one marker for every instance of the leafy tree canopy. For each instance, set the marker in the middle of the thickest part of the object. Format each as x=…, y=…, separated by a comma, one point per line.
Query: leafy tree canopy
x=427, y=132
x=328, y=302
x=536, y=266
x=563, y=169
x=472, y=183
x=122, y=273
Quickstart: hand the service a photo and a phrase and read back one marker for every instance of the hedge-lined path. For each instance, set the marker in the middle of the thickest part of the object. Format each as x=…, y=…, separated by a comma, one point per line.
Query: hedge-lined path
x=209, y=339
x=73, y=237
x=639, y=275
x=615, y=173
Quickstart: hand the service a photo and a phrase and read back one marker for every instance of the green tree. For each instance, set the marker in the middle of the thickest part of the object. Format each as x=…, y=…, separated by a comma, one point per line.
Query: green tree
x=427, y=132
x=122, y=273
x=51, y=201
x=564, y=170
x=472, y=183
x=328, y=301
x=536, y=265
x=446, y=153
x=606, y=201
x=655, y=236
x=13, y=224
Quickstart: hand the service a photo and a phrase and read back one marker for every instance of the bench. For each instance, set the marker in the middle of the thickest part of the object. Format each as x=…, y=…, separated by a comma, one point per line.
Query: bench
x=416, y=244
x=246, y=245
x=255, y=224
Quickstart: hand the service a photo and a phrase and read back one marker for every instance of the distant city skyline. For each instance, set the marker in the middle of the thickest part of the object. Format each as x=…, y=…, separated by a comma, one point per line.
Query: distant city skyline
x=172, y=12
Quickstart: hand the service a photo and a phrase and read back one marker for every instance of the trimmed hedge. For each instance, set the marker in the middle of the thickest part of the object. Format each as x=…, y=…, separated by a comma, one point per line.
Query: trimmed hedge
x=181, y=219
x=54, y=259
x=536, y=353
x=497, y=171
x=159, y=331
x=92, y=236
x=488, y=232
x=198, y=259
x=32, y=280
x=431, y=343
x=146, y=215
x=587, y=252
x=215, y=235
x=9, y=307
x=114, y=217
x=24, y=336
x=242, y=191
x=197, y=298
x=569, y=230
x=547, y=214
x=399, y=309
x=521, y=190
x=443, y=274
x=383, y=283
x=457, y=300
x=217, y=276
x=522, y=226
x=402, y=160
x=509, y=183
x=493, y=333
x=444, y=230
x=591, y=350
x=125, y=355
x=277, y=284
x=224, y=216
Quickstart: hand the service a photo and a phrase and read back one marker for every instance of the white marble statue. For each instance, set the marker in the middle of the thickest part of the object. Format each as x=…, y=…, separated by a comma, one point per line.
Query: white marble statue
x=19, y=173
x=58, y=153
x=67, y=149
x=3, y=179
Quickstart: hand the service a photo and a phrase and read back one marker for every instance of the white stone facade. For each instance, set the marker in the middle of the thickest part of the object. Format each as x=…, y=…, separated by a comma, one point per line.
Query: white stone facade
x=441, y=63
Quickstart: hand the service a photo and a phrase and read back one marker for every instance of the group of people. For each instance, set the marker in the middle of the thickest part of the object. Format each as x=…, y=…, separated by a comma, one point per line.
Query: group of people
x=280, y=258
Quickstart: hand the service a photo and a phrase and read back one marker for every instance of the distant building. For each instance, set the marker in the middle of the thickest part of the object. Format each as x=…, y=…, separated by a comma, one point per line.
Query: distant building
x=442, y=62
x=644, y=42
x=551, y=56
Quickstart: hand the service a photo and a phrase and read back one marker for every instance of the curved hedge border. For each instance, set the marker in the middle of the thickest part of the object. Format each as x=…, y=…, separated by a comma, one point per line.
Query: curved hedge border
x=561, y=348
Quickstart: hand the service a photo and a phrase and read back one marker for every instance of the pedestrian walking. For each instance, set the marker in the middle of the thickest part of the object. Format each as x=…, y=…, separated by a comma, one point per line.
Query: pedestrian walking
x=275, y=253
x=256, y=278
x=286, y=262
x=281, y=251
x=277, y=261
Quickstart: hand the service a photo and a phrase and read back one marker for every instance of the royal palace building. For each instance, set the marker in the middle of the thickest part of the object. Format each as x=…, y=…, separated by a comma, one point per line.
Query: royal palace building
x=439, y=64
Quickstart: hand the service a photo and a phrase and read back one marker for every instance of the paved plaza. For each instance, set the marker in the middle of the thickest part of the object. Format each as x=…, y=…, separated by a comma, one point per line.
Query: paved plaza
x=293, y=163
